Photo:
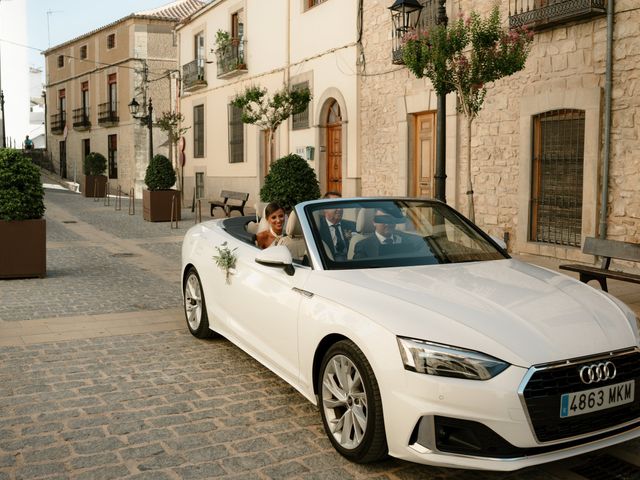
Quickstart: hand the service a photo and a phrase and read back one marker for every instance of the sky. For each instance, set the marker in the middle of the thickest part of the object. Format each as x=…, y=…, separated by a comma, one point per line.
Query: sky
x=71, y=18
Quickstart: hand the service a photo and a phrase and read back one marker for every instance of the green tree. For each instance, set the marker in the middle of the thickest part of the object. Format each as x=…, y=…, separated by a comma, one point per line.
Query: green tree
x=463, y=57
x=290, y=181
x=94, y=164
x=171, y=124
x=21, y=192
x=160, y=174
x=266, y=112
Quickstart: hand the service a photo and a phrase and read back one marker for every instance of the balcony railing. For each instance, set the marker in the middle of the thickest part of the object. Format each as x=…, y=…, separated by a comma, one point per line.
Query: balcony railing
x=193, y=75
x=108, y=114
x=543, y=14
x=81, y=119
x=58, y=122
x=231, y=59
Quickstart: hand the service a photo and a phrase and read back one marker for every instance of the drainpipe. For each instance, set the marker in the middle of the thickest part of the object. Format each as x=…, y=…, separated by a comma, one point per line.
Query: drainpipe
x=607, y=123
x=287, y=78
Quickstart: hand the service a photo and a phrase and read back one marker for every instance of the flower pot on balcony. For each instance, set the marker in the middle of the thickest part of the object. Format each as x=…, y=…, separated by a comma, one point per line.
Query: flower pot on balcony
x=23, y=248
x=94, y=186
x=156, y=205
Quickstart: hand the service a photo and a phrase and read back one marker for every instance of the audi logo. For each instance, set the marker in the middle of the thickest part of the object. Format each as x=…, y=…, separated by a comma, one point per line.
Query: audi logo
x=598, y=372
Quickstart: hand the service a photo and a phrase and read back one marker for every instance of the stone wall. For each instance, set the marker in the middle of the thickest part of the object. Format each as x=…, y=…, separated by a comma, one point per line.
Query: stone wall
x=565, y=62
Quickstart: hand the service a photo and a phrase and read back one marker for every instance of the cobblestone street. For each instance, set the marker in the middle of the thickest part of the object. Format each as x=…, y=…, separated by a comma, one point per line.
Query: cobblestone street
x=100, y=378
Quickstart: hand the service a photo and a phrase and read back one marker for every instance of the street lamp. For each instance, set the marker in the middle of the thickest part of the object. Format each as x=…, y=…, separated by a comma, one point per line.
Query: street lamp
x=147, y=120
x=440, y=176
x=401, y=11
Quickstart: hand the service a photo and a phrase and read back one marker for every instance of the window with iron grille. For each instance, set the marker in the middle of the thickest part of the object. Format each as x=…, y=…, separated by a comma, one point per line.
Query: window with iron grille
x=557, y=172
x=111, y=40
x=112, y=153
x=199, y=184
x=83, y=52
x=60, y=61
x=198, y=131
x=300, y=120
x=236, y=135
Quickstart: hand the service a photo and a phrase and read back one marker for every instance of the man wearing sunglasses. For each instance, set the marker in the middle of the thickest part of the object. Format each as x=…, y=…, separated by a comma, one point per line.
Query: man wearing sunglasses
x=386, y=240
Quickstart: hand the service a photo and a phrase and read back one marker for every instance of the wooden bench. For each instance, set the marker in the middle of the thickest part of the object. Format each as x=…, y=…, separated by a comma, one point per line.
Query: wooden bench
x=608, y=250
x=238, y=198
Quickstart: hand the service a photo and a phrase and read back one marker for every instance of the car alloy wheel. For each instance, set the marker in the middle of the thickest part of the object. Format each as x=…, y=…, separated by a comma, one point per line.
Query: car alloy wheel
x=350, y=404
x=194, y=306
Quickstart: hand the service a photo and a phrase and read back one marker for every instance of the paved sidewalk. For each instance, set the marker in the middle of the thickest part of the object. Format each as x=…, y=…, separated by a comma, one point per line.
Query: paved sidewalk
x=100, y=379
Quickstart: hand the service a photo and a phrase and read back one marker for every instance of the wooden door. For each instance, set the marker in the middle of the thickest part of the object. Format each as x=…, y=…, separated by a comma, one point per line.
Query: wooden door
x=334, y=159
x=334, y=149
x=424, y=155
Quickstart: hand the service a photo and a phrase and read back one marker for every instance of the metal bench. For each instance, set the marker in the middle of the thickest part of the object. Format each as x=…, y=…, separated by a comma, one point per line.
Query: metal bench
x=608, y=250
x=238, y=198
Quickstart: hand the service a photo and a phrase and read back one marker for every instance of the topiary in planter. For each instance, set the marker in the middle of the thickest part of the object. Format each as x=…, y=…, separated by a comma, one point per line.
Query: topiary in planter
x=94, y=164
x=160, y=174
x=290, y=181
x=21, y=192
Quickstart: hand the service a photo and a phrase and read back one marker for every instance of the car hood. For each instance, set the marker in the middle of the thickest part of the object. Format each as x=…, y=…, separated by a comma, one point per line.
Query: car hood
x=520, y=313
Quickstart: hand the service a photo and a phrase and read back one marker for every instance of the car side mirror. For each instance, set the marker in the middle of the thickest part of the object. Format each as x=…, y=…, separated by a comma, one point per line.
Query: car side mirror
x=278, y=256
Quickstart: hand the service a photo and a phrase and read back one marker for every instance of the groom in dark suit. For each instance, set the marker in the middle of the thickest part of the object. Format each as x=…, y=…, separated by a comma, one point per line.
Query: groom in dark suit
x=386, y=240
x=336, y=232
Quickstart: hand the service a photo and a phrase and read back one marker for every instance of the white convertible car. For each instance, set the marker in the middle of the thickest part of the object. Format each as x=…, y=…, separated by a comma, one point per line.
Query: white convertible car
x=417, y=336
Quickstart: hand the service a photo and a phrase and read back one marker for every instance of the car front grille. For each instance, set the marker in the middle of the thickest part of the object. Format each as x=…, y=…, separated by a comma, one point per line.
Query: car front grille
x=548, y=383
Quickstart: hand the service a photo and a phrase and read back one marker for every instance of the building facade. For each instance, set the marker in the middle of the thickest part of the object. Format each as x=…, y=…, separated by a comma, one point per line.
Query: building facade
x=231, y=44
x=92, y=79
x=539, y=152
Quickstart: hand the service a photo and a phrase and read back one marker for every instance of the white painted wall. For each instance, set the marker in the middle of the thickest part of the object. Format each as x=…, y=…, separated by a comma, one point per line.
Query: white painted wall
x=285, y=43
x=14, y=70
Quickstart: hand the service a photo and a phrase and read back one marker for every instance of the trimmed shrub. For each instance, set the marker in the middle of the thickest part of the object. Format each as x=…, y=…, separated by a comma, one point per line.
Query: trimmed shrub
x=290, y=181
x=21, y=192
x=94, y=164
x=160, y=174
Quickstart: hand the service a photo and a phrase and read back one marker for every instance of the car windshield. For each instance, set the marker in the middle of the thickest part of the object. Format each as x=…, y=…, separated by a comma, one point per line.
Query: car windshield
x=390, y=233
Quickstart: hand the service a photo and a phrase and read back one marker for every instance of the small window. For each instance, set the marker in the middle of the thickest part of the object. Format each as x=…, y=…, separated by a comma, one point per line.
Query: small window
x=112, y=145
x=300, y=120
x=198, y=131
x=313, y=3
x=557, y=177
x=236, y=135
x=111, y=40
x=60, y=61
x=83, y=52
x=199, y=185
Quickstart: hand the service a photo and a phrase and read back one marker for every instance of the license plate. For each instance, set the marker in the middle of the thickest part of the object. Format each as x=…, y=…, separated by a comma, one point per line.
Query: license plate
x=587, y=401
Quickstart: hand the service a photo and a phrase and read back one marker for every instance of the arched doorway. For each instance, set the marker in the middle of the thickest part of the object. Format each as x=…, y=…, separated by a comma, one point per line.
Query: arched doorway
x=334, y=147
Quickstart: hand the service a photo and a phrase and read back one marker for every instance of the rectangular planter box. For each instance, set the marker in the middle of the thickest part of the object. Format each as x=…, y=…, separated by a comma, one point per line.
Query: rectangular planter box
x=94, y=186
x=156, y=205
x=23, y=248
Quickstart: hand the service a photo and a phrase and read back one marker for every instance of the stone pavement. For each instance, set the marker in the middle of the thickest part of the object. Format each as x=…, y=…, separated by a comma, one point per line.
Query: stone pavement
x=100, y=378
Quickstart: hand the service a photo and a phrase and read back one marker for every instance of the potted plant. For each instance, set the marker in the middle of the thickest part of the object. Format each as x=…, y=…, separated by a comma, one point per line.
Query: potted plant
x=290, y=181
x=23, y=231
x=158, y=199
x=223, y=41
x=95, y=181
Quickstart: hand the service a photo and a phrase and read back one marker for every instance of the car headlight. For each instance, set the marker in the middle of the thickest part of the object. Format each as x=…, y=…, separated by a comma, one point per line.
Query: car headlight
x=434, y=359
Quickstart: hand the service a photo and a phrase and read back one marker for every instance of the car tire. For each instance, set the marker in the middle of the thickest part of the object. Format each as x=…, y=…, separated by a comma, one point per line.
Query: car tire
x=195, y=309
x=352, y=400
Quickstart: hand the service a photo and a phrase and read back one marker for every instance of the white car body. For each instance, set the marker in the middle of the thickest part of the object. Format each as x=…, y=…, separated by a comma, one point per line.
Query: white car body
x=521, y=314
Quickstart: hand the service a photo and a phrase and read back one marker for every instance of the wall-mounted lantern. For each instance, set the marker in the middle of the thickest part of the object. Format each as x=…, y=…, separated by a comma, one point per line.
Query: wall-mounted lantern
x=403, y=18
x=401, y=15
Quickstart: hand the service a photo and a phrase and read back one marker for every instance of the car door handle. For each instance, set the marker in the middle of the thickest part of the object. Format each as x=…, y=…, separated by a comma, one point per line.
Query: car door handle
x=304, y=293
